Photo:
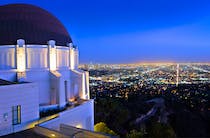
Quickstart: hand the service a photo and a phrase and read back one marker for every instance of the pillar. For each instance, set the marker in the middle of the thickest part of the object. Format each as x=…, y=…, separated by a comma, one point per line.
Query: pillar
x=52, y=55
x=21, y=60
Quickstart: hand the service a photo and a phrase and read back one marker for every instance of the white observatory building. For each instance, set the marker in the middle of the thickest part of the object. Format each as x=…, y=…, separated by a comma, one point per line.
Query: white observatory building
x=40, y=83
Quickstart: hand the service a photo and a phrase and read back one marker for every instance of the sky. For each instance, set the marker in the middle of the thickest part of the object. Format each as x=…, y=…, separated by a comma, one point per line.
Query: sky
x=131, y=31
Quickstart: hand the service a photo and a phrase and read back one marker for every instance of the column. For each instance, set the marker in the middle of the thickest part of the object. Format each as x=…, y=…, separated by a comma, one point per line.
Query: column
x=21, y=60
x=52, y=55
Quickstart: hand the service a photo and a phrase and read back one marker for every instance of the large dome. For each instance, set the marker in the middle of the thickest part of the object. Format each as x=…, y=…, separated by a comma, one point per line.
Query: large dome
x=31, y=23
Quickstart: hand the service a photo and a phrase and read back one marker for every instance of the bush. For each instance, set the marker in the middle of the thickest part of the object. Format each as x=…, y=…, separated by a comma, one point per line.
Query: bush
x=102, y=127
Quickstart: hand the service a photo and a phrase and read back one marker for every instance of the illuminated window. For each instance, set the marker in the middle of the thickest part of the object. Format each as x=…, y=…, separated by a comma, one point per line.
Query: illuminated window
x=16, y=115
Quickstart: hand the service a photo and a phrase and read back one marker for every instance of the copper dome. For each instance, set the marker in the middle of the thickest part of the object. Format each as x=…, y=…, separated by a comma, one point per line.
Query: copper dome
x=31, y=23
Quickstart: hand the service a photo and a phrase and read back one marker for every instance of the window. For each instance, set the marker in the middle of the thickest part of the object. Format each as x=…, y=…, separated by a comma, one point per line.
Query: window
x=66, y=90
x=16, y=115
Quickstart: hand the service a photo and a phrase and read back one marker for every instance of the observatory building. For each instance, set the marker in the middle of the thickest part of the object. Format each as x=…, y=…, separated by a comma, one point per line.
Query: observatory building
x=40, y=83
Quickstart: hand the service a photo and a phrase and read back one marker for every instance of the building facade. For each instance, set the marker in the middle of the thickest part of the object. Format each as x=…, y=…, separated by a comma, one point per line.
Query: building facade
x=39, y=72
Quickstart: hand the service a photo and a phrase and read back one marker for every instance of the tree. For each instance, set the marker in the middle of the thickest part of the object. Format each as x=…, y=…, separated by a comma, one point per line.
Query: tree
x=159, y=130
x=134, y=134
x=102, y=127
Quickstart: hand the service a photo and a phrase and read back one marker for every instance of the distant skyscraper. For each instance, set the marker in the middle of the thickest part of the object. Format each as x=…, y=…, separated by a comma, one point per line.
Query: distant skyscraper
x=177, y=75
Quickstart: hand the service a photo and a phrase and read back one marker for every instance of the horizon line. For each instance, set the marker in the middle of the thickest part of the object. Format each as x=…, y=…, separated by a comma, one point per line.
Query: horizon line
x=147, y=62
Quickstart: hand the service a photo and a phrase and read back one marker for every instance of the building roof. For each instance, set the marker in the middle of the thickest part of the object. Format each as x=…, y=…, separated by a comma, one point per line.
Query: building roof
x=66, y=132
x=29, y=133
x=5, y=82
x=31, y=23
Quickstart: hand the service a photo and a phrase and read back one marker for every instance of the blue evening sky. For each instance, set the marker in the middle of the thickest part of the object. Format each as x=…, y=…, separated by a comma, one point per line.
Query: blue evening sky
x=128, y=31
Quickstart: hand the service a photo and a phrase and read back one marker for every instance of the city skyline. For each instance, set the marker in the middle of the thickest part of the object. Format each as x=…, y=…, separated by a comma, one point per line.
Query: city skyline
x=135, y=31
